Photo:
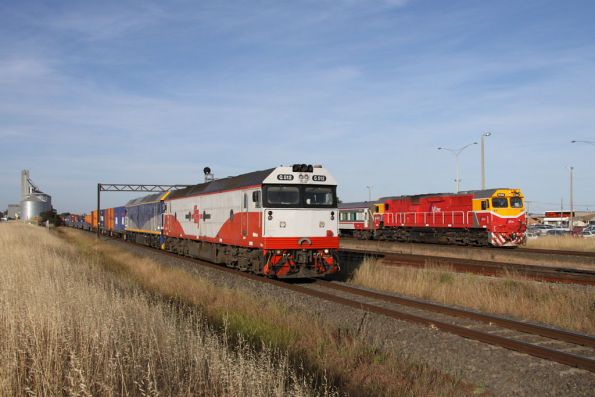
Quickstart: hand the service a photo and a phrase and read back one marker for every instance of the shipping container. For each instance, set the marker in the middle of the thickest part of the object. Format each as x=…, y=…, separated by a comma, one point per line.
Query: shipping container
x=119, y=216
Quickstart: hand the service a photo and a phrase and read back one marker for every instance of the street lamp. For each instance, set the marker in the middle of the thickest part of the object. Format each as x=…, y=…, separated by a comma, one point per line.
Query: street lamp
x=483, y=170
x=456, y=153
x=369, y=192
x=587, y=142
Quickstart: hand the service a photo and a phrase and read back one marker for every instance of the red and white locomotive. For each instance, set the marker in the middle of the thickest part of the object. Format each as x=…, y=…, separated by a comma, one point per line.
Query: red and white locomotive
x=493, y=217
x=278, y=222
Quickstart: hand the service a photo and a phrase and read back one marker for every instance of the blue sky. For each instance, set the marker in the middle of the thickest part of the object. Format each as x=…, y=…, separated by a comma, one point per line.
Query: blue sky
x=151, y=92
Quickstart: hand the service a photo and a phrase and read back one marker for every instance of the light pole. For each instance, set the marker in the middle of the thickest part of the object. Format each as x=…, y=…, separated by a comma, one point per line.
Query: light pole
x=369, y=193
x=571, y=217
x=587, y=142
x=483, y=170
x=456, y=153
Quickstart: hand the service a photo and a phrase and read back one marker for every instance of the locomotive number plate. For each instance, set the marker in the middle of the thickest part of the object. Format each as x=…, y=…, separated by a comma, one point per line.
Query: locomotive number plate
x=285, y=177
x=318, y=178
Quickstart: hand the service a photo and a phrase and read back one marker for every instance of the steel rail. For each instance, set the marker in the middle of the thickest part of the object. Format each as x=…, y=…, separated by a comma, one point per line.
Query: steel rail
x=552, y=333
x=487, y=249
x=557, y=252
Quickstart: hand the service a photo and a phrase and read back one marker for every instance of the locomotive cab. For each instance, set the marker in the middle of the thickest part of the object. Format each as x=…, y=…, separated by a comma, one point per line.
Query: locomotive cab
x=502, y=213
x=299, y=220
x=507, y=202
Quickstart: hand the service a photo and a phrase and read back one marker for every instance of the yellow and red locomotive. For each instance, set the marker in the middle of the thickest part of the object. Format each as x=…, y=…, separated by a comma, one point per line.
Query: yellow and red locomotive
x=493, y=217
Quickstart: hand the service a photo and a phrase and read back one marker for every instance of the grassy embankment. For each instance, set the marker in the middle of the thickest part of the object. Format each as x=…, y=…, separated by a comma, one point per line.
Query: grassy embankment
x=566, y=306
x=563, y=243
x=67, y=327
x=81, y=317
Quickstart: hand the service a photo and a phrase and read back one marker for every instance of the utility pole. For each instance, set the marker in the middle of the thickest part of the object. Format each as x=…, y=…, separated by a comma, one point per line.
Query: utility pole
x=369, y=192
x=570, y=225
x=561, y=210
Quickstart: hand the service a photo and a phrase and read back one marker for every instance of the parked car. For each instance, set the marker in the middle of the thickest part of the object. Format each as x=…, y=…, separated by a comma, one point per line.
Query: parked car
x=532, y=234
x=588, y=233
x=540, y=229
x=557, y=232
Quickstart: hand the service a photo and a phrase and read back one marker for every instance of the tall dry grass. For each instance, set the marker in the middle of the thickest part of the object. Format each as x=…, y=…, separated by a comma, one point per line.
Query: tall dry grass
x=566, y=306
x=67, y=327
x=347, y=358
x=569, y=243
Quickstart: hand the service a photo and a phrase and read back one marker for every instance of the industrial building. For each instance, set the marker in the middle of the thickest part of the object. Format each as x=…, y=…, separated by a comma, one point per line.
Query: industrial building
x=13, y=211
x=562, y=218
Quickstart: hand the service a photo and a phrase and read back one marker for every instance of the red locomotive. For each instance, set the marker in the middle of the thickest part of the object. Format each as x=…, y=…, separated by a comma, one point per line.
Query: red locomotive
x=493, y=217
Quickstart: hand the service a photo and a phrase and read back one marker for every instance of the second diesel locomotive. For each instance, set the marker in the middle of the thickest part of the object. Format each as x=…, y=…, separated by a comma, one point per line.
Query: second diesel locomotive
x=492, y=217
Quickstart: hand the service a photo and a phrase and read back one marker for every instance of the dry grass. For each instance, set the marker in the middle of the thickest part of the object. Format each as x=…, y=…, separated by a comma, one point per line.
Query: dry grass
x=349, y=361
x=566, y=306
x=569, y=243
x=67, y=327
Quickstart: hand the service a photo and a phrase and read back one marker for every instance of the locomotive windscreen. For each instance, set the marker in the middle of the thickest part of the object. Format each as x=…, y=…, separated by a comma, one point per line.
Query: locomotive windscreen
x=320, y=195
x=516, y=202
x=299, y=196
x=283, y=195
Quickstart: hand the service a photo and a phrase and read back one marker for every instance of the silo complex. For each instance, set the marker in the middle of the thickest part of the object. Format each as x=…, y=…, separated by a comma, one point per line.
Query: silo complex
x=33, y=200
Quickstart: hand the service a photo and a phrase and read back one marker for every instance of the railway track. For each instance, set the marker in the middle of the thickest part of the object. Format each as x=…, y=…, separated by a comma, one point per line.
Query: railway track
x=585, y=254
x=400, y=309
x=487, y=250
x=488, y=268
x=562, y=355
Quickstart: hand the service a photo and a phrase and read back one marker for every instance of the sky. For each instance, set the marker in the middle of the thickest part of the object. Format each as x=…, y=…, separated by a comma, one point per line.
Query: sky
x=154, y=91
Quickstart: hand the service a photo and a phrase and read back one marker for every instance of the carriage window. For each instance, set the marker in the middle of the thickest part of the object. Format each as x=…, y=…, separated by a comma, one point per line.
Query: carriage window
x=318, y=196
x=359, y=216
x=499, y=202
x=516, y=202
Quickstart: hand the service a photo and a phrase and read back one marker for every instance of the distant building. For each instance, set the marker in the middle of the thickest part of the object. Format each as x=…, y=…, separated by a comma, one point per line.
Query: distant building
x=13, y=211
x=562, y=218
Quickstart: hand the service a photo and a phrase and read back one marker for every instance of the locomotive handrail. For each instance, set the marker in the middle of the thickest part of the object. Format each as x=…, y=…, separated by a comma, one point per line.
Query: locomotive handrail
x=402, y=217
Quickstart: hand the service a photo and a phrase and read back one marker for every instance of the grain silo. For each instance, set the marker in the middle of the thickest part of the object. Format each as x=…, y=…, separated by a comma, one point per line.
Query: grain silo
x=33, y=200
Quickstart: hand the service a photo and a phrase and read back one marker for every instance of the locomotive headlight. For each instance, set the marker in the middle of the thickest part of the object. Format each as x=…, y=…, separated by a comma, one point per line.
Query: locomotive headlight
x=332, y=215
x=282, y=224
x=326, y=251
x=304, y=178
x=322, y=224
x=270, y=215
